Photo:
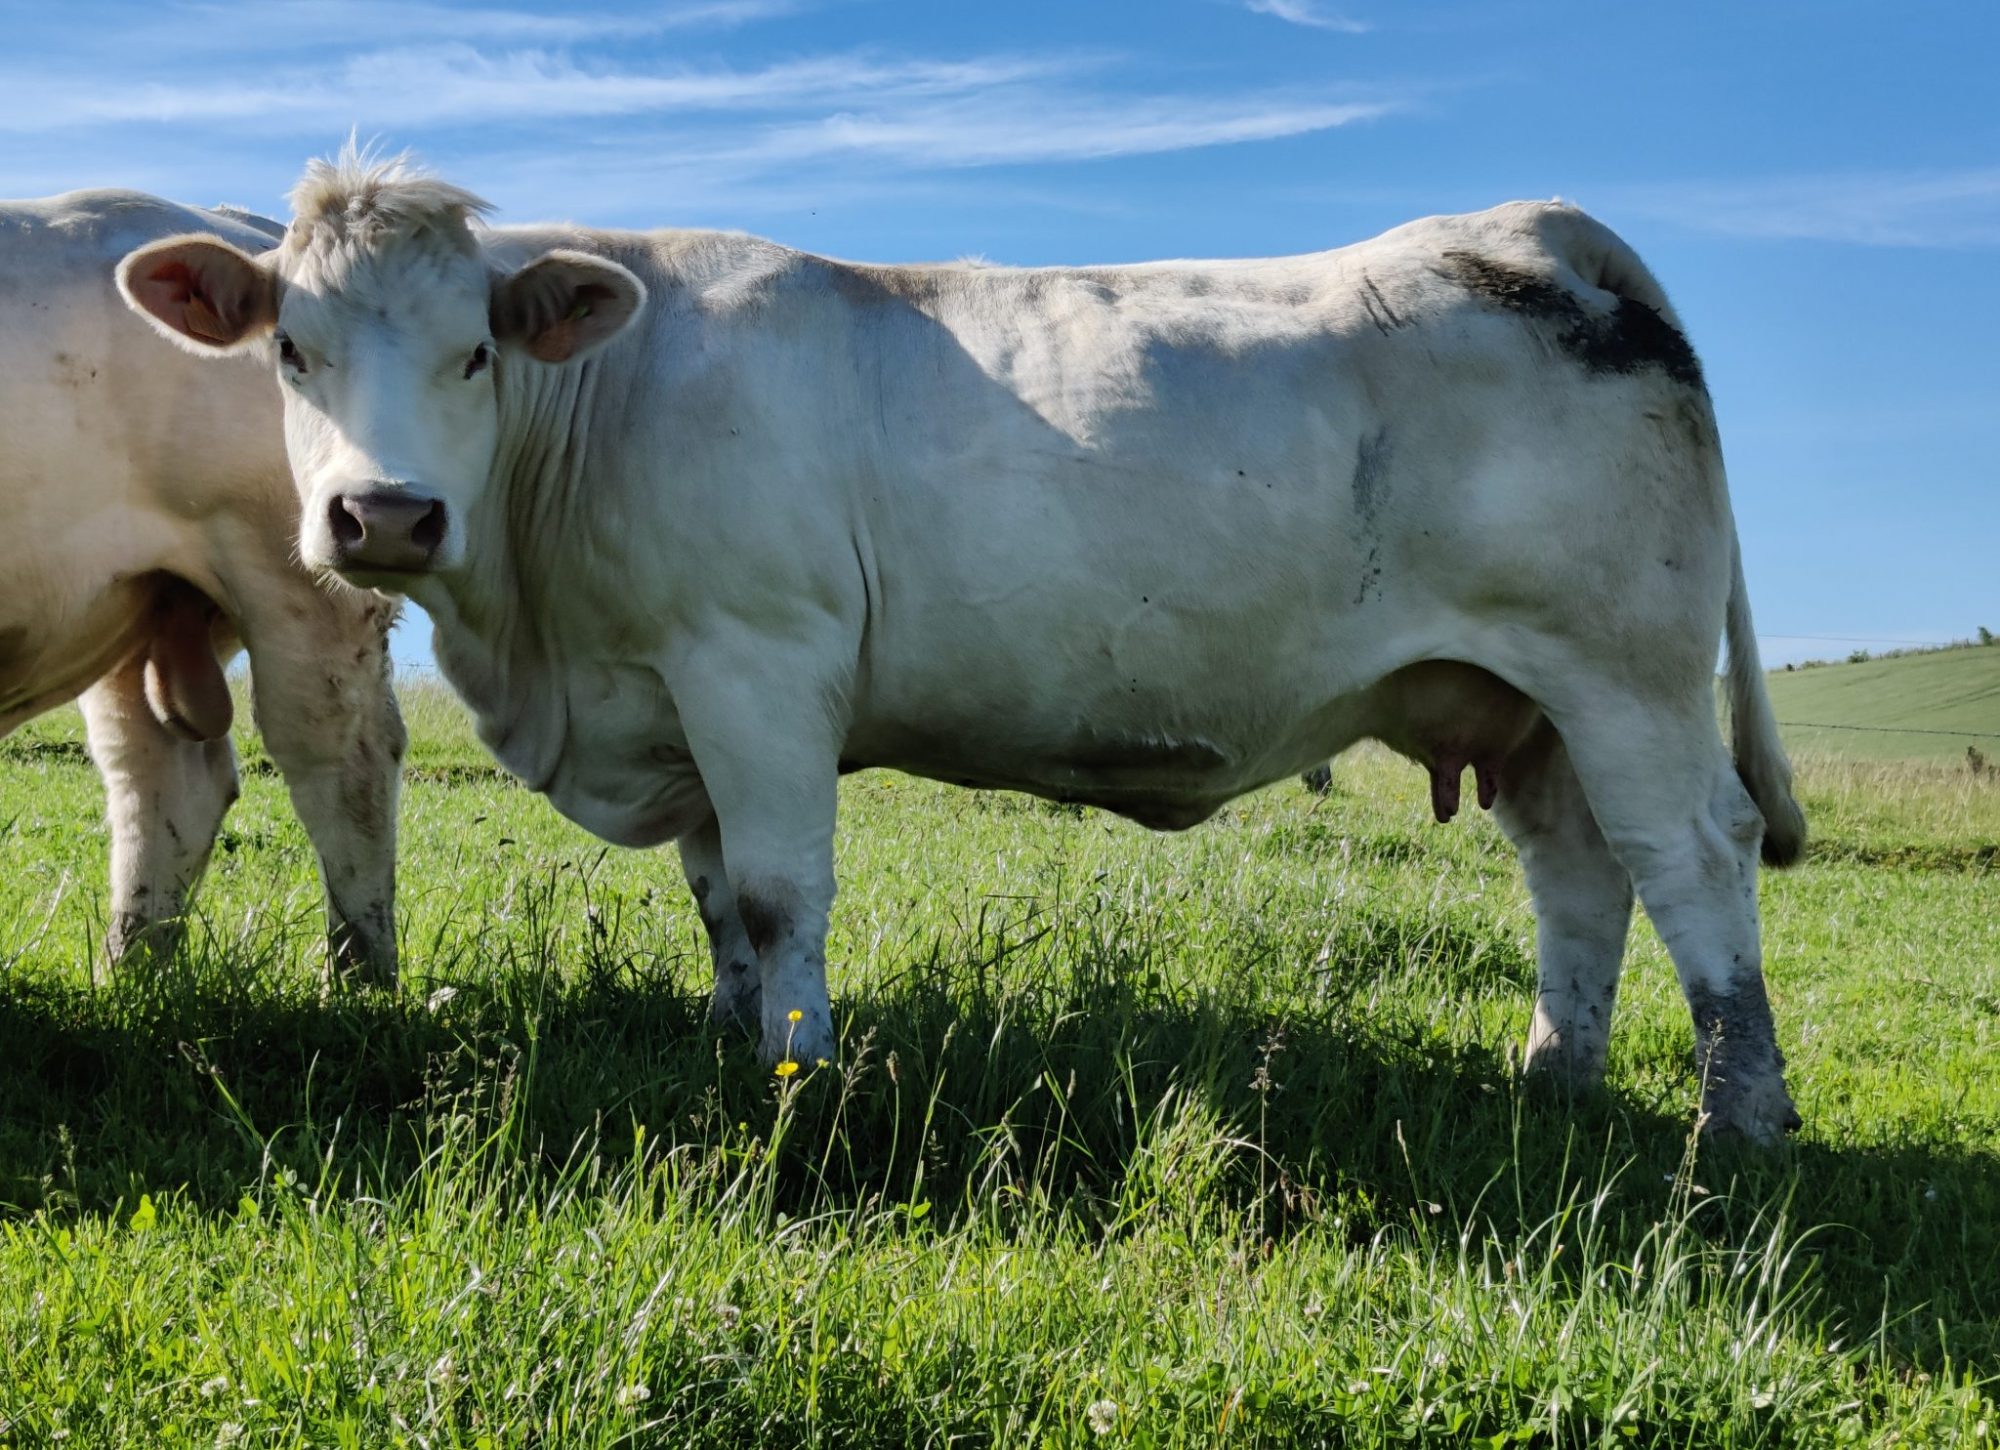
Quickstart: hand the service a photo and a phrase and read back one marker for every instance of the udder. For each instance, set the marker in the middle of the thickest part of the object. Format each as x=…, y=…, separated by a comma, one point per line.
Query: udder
x=1446, y=716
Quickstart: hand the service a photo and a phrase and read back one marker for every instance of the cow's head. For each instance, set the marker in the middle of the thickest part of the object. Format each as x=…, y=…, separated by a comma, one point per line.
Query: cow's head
x=389, y=324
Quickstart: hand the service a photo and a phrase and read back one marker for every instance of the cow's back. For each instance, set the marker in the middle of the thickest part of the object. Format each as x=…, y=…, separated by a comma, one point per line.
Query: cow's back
x=84, y=376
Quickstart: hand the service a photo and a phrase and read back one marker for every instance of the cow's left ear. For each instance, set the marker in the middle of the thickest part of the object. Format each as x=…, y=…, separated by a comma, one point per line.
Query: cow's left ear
x=201, y=292
x=565, y=304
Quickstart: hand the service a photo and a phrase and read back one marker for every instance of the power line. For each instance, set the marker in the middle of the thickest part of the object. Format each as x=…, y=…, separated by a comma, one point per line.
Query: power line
x=1888, y=729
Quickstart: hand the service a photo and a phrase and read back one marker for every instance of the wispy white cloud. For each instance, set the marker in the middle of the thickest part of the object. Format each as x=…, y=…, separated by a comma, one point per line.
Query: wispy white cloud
x=916, y=113
x=427, y=85
x=894, y=152
x=282, y=24
x=1027, y=126
x=561, y=112
x=1874, y=209
x=1312, y=13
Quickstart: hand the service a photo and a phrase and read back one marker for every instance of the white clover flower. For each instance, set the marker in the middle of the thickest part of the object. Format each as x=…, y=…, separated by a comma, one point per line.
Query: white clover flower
x=1101, y=1416
x=629, y=1395
x=211, y=1388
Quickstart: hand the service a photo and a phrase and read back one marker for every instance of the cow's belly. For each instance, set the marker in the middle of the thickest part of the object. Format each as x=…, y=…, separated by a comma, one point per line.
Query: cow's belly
x=1165, y=750
x=1160, y=690
x=55, y=644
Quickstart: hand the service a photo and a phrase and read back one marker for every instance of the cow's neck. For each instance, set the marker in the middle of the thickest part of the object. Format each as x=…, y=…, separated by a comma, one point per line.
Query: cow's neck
x=489, y=644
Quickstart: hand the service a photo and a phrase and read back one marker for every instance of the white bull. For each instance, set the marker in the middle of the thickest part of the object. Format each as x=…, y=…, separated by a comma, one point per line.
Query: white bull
x=151, y=528
x=704, y=521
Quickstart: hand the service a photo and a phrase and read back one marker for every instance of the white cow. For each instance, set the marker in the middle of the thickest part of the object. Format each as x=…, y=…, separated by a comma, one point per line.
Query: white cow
x=151, y=527
x=704, y=521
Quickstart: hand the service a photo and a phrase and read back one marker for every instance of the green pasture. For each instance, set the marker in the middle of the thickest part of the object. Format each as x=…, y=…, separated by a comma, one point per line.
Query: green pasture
x=1925, y=706
x=1212, y=1139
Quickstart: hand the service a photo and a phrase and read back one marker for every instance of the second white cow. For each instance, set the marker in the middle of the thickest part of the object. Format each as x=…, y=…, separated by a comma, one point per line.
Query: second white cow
x=704, y=521
x=150, y=527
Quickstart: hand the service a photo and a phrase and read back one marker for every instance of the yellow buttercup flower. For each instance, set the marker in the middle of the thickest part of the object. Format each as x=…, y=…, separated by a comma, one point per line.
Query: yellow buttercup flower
x=786, y=1068
x=797, y=1015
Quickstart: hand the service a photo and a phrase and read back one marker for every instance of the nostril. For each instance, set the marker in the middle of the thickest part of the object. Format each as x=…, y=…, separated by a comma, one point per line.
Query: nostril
x=343, y=516
x=429, y=530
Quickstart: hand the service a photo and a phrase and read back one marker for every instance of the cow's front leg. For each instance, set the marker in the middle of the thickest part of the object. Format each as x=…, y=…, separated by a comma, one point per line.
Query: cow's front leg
x=760, y=724
x=737, y=974
x=165, y=799
x=319, y=667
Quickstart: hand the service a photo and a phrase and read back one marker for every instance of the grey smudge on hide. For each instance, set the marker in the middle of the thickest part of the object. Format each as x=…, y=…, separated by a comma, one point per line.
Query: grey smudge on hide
x=1380, y=313
x=1371, y=463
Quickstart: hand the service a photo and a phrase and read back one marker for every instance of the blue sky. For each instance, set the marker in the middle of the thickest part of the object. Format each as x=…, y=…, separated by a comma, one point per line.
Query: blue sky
x=1817, y=184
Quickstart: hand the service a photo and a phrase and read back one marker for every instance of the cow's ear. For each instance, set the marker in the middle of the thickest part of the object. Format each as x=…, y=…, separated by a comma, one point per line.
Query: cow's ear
x=201, y=292
x=565, y=304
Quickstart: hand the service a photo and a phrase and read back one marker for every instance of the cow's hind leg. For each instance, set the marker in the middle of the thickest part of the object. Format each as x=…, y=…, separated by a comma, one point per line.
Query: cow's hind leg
x=1583, y=909
x=738, y=994
x=165, y=799
x=1668, y=801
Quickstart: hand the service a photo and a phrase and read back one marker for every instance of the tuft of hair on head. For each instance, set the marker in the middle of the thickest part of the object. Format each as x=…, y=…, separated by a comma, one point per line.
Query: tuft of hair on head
x=359, y=194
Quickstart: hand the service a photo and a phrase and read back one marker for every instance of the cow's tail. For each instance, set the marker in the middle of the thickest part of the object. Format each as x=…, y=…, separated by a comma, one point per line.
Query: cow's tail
x=1760, y=754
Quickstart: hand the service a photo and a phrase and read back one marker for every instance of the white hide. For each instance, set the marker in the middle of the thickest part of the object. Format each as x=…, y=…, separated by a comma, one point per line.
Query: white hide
x=1145, y=537
x=130, y=472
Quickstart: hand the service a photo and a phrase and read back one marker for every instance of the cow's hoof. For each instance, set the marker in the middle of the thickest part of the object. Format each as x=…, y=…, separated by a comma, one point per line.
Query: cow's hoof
x=1759, y=1111
x=356, y=960
x=1318, y=780
x=135, y=941
x=1564, y=1066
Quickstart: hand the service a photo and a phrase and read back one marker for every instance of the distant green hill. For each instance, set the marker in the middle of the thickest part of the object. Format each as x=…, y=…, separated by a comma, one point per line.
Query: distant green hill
x=1878, y=709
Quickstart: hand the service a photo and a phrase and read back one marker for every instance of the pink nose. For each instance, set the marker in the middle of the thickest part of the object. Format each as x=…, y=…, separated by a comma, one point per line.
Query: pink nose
x=385, y=529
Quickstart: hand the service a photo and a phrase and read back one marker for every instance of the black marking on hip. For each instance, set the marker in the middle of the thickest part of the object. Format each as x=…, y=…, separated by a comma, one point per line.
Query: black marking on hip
x=1629, y=338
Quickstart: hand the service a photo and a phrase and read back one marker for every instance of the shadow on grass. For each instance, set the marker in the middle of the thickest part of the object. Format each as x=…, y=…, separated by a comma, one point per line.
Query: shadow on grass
x=1095, y=1089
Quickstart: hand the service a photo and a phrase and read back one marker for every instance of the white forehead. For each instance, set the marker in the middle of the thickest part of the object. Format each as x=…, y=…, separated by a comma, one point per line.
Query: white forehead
x=378, y=240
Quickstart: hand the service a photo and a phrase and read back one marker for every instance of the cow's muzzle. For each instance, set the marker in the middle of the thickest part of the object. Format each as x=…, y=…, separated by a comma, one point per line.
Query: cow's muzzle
x=385, y=531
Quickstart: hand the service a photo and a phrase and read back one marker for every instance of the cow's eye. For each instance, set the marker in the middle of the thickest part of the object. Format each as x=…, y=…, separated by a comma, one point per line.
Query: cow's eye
x=288, y=354
x=481, y=356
